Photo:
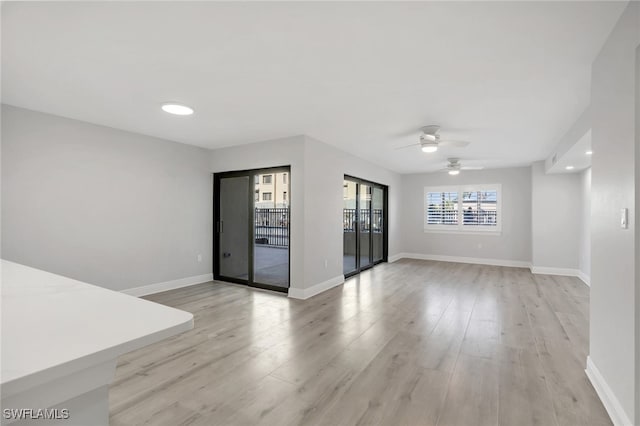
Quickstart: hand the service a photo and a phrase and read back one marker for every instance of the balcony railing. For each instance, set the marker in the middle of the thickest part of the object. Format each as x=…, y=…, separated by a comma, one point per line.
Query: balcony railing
x=272, y=226
x=367, y=220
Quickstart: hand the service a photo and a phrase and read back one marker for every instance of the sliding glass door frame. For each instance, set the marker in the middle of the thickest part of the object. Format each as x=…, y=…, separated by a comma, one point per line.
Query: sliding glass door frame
x=385, y=222
x=250, y=281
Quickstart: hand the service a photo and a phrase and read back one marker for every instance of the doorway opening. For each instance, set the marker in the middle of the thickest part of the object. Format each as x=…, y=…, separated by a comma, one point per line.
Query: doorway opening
x=251, y=235
x=364, y=218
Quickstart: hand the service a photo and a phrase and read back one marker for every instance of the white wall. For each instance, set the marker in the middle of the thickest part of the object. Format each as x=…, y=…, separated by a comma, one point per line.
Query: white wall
x=317, y=171
x=584, y=247
x=614, y=313
x=512, y=246
x=325, y=170
x=557, y=209
x=100, y=205
x=637, y=232
x=122, y=210
x=577, y=131
x=278, y=152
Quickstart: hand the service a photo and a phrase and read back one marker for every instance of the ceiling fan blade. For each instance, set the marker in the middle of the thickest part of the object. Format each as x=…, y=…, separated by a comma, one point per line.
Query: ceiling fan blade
x=407, y=146
x=472, y=167
x=411, y=133
x=455, y=144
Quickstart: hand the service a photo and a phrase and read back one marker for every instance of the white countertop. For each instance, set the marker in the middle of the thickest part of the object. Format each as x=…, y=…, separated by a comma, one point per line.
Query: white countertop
x=53, y=326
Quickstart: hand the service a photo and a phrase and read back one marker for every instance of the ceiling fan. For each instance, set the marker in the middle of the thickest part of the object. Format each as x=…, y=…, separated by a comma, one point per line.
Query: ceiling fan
x=430, y=140
x=454, y=166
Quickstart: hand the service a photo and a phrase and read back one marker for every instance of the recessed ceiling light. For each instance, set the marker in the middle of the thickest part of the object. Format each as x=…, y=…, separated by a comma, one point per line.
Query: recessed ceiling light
x=177, y=109
x=454, y=172
x=589, y=152
x=569, y=167
x=429, y=148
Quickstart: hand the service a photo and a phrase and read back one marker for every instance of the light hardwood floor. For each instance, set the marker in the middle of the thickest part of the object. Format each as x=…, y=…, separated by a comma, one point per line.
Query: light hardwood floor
x=408, y=343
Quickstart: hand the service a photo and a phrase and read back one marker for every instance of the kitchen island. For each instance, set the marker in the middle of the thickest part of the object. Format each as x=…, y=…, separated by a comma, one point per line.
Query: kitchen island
x=60, y=342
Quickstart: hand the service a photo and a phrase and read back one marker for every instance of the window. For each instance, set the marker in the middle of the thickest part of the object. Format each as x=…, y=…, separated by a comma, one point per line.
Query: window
x=266, y=179
x=284, y=178
x=284, y=196
x=266, y=196
x=257, y=195
x=463, y=208
x=480, y=208
x=442, y=208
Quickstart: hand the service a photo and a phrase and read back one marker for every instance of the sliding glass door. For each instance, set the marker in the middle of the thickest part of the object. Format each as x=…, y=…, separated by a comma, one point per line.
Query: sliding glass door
x=364, y=212
x=378, y=232
x=364, y=224
x=232, y=227
x=271, y=229
x=251, y=214
x=350, y=224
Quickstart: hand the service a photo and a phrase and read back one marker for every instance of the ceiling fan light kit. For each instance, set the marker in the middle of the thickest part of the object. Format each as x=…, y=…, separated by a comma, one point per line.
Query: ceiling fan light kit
x=453, y=167
x=430, y=140
x=429, y=147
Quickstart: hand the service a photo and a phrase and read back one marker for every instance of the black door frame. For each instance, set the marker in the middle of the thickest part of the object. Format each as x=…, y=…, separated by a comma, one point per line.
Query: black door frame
x=251, y=173
x=385, y=222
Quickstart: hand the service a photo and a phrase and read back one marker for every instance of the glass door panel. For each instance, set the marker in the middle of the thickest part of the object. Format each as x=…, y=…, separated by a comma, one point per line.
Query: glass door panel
x=365, y=225
x=271, y=229
x=349, y=226
x=364, y=229
x=232, y=227
x=377, y=224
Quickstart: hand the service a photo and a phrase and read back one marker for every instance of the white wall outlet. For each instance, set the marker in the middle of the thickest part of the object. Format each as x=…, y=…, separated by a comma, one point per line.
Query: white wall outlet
x=199, y=258
x=624, y=218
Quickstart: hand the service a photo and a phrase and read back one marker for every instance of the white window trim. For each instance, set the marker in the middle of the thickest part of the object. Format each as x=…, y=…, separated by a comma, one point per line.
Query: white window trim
x=460, y=228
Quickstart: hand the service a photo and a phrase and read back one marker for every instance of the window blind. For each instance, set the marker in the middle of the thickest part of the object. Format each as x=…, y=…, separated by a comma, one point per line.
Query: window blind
x=463, y=208
x=480, y=208
x=442, y=208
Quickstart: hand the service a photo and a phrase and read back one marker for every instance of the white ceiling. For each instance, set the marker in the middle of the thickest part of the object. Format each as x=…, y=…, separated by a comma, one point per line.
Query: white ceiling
x=509, y=76
x=576, y=157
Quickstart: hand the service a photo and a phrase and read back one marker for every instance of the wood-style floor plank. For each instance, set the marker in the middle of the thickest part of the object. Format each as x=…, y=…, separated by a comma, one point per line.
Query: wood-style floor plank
x=409, y=343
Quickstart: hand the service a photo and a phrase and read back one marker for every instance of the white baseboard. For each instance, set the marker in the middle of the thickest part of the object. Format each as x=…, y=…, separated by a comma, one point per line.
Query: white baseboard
x=496, y=262
x=305, y=293
x=168, y=285
x=585, y=278
x=458, y=259
x=565, y=272
x=545, y=270
x=608, y=398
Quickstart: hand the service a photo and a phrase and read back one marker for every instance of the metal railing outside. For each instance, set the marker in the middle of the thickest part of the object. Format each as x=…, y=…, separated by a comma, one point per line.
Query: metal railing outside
x=437, y=216
x=480, y=217
x=367, y=220
x=272, y=226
